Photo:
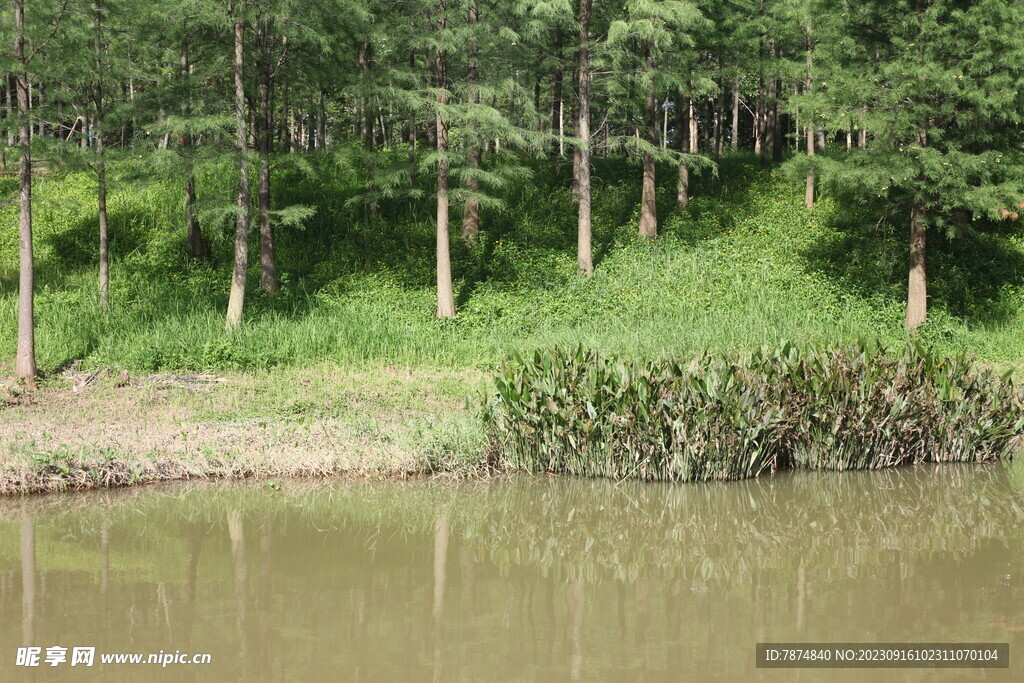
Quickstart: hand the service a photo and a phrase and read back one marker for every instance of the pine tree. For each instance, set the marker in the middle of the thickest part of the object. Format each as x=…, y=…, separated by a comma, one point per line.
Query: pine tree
x=943, y=93
x=30, y=34
x=637, y=44
x=236, y=300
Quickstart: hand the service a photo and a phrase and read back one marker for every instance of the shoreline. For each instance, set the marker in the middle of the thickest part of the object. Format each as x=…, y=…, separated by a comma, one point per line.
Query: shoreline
x=103, y=430
x=81, y=432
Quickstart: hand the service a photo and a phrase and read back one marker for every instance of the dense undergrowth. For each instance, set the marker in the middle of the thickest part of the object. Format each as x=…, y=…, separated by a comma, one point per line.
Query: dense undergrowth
x=713, y=418
x=745, y=265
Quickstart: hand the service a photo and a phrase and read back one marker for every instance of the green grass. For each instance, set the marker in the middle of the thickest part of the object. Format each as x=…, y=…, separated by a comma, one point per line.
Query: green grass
x=746, y=265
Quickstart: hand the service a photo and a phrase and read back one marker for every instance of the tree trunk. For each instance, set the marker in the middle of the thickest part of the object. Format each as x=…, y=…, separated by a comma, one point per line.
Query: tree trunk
x=664, y=127
x=584, y=247
x=917, y=290
x=471, y=214
x=759, y=127
x=196, y=245
x=768, y=141
x=265, y=124
x=683, y=116
x=25, y=361
x=431, y=70
x=809, y=191
x=101, y=169
x=124, y=121
x=321, y=119
x=648, y=203
x=719, y=114
x=366, y=130
x=445, y=291
x=558, y=103
x=778, y=133
x=10, y=111
x=379, y=122
x=236, y=300
x=42, y=117
x=285, y=136
x=574, y=116
x=735, y=141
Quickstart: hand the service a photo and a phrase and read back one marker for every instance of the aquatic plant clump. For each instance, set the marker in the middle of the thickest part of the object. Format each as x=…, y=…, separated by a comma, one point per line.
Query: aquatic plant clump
x=581, y=413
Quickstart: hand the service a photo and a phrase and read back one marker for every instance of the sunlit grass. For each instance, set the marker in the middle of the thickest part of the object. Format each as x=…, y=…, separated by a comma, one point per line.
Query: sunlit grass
x=746, y=265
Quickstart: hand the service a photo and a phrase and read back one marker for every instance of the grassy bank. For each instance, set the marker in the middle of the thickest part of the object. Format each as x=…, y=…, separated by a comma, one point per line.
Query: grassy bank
x=346, y=369
x=746, y=265
x=320, y=421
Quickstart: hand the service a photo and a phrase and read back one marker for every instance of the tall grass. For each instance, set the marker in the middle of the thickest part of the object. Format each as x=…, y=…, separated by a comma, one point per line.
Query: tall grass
x=744, y=266
x=587, y=414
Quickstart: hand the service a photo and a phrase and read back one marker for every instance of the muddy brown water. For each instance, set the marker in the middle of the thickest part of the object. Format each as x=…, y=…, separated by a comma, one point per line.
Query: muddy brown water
x=532, y=579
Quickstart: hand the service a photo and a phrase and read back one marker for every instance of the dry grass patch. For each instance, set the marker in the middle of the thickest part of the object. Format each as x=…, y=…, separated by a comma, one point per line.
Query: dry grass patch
x=111, y=431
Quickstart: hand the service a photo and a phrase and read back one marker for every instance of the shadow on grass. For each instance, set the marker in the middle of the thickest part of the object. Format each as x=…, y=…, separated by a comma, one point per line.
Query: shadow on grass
x=968, y=275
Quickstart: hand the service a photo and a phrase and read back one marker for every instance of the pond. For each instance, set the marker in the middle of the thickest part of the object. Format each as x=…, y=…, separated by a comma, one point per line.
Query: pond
x=523, y=578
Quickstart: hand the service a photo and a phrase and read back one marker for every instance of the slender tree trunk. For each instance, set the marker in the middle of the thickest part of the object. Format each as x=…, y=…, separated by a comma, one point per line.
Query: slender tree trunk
x=735, y=141
x=558, y=103
x=42, y=117
x=664, y=127
x=412, y=151
x=431, y=71
x=285, y=136
x=917, y=287
x=196, y=245
x=584, y=247
x=719, y=113
x=471, y=213
x=236, y=300
x=445, y=290
x=809, y=191
x=648, y=199
x=124, y=120
x=778, y=134
x=770, y=142
x=265, y=126
x=321, y=119
x=25, y=361
x=575, y=191
x=101, y=169
x=364, y=101
x=10, y=111
x=685, y=113
x=759, y=119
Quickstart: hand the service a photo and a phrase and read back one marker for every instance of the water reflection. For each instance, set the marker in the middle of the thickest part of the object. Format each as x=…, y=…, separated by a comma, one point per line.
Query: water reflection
x=522, y=579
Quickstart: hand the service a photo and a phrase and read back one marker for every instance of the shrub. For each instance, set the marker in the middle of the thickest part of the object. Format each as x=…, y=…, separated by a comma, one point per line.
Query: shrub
x=581, y=413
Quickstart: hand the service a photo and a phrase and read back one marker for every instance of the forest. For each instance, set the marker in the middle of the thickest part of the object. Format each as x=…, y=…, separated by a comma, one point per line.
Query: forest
x=242, y=184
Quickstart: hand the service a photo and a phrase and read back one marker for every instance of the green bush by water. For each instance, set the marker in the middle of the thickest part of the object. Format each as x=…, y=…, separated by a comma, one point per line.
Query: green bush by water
x=588, y=414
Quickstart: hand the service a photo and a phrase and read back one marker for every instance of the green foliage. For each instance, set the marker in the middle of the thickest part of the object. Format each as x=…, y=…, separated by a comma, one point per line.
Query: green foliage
x=744, y=266
x=718, y=417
